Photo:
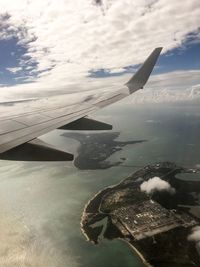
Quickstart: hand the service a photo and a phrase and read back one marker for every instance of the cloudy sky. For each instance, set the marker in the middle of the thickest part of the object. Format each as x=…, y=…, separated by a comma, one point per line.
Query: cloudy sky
x=73, y=45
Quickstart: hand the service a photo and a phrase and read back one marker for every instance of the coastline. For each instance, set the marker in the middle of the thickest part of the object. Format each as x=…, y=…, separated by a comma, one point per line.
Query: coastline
x=135, y=250
x=91, y=199
x=139, y=254
x=127, y=190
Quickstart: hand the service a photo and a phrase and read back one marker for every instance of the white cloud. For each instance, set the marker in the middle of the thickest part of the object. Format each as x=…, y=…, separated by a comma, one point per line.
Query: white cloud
x=14, y=69
x=195, y=236
x=176, y=86
x=68, y=38
x=159, y=94
x=117, y=70
x=167, y=96
x=177, y=79
x=156, y=184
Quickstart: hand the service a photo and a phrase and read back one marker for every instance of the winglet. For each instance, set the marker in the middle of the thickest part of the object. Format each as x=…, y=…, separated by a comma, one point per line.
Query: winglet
x=140, y=78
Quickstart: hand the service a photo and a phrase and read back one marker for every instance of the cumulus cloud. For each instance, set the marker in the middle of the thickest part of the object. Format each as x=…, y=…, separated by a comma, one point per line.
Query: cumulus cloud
x=195, y=236
x=14, y=69
x=67, y=39
x=180, y=79
x=167, y=95
x=177, y=86
x=156, y=184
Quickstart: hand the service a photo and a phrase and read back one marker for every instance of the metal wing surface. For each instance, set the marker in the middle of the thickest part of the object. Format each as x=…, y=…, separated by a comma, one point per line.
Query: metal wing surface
x=24, y=120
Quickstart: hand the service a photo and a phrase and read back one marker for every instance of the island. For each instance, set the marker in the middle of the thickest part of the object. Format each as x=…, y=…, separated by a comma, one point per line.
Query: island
x=155, y=210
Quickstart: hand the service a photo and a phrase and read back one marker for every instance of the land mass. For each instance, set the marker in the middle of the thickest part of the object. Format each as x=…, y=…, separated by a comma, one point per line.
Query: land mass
x=157, y=226
x=96, y=148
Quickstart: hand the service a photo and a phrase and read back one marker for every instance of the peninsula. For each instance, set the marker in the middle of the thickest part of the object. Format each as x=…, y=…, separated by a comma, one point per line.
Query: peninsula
x=157, y=222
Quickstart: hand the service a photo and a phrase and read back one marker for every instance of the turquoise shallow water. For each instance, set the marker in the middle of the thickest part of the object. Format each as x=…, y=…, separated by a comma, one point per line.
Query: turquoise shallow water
x=41, y=204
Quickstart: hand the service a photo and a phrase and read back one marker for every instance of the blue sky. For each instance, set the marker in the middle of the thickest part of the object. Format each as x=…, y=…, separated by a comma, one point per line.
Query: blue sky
x=184, y=57
x=12, y=56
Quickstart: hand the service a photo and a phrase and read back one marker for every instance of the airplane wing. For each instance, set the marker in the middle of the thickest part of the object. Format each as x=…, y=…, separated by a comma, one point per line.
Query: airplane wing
x=19, y=131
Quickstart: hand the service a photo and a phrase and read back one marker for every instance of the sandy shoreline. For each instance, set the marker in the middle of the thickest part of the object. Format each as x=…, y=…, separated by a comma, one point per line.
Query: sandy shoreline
x=137, y=252
x=124, y=240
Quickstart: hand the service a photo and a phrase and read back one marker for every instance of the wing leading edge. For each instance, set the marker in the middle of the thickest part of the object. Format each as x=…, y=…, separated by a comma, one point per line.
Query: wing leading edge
x=23, y=128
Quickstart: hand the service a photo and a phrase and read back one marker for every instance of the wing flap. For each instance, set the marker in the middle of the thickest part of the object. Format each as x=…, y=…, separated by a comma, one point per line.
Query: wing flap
x=36, y=150
x=86, y=124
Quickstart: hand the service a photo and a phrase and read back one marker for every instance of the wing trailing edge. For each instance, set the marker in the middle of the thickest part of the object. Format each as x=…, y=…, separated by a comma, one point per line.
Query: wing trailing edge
x=36, y=150
x=86, y=124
